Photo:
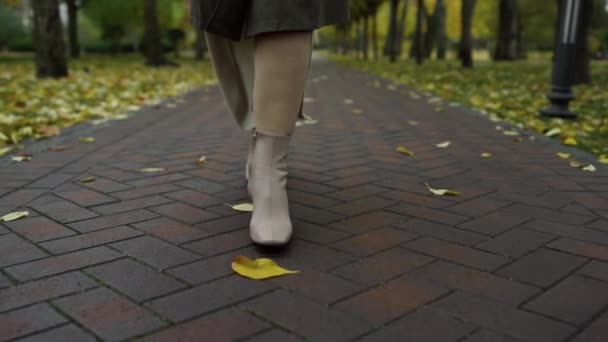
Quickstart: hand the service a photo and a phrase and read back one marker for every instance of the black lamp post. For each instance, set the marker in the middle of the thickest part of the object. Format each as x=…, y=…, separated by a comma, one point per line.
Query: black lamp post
x=563, y=64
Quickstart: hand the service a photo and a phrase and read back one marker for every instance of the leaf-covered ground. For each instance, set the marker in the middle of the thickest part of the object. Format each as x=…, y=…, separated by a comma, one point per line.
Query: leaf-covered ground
x=98, y=89
x=509, y=91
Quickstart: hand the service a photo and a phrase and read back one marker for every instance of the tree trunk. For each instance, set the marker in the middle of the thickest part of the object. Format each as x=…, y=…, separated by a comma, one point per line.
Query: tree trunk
x=417, y=49
x=506, y=44
x=365, y=37
x=200, y=45
x=153, y=50
x=582, y=72
x=73, y=28
x=466, y=43
x=431, y=33
x=375, y=35
x=442, y=39
x=402, y=26
x=48, y=38
x=392, y=34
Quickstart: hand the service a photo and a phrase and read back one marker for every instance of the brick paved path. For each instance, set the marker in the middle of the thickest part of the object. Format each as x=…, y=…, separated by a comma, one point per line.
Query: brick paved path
x=521, y=256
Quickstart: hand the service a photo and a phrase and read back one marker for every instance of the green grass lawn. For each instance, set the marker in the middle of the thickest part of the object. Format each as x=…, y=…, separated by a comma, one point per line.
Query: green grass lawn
x=509, y=91
x=98, y=89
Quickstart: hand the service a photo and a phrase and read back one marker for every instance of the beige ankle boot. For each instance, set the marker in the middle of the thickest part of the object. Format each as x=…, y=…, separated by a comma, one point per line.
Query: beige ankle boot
x=270, y=222
x=249, y=153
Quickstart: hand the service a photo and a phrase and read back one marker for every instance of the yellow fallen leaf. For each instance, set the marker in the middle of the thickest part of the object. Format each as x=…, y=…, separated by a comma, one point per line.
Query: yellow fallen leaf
x=571, y=141
x=20, y=159
x=589, y=168
x=413, y=122
x=553, y=131
x=563, y=155
x=574, y=163
x=244, y=207
x=87, y=140
x=201, y=160
x=442, y=192
x=510, y=133
x=5, y=150
x=403, y=150
x=3, y=137
x=357, y=111
x=485, y=155
x=48, y=131
x=14, y=216
x=258, y=269
x=348, y=101
x=444, y=144
x=88, y=179
x=152, y=169
x=602, y=159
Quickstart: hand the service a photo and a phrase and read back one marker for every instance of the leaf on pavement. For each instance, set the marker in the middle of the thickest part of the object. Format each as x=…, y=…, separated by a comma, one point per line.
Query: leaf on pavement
x=243, y=207
x=87, y=140
x=445, y=144
x=258, y=269
x=14, y=216
x=442, y=192
x=404, y=150
x=563, y=155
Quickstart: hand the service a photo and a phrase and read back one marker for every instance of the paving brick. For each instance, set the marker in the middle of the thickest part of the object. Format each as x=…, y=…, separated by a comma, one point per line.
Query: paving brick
x=4, y=281
x=113, y=220
x=14, y=250
x=456, y=253
x=195, y=198
x=382, y=266
x=62, y=263
x=374, y=241
x=170, y=230
x=312, y=320
x=384, y=303
x=428, y=214
x=137, y=281
x=569, y=231
x=542, y=267
x=442, y=232
x=204, y=270
x=316, y=233
x=596, y=332
x=306, y=186
x=418, y=199
x=476, y=282
x=489, y=336
x=65, y=212
x=477, y=207
x=154, y=180
x=586, y=249
x=314, y=215
x=362, y=205
x=128, y=205
x=320, y=287
x=50, y=181
x=422, y=325
x=145, y=191
x=226, y=325
x=275, y=335
x=307, y=256
x=44, y=289
x=575, y=299
x=184, y=213
x=86, y=197
x=548, y=214
x=204, y=186
x=64, y=333
x=595, y=269
x=96, y=238
x=225, y=224
x=20, y=197
x=516, y=242
x=106, y=186
x=495, y=223
x=29, y=320
x=220, y=243
x=503, y=318
x=155, y=252
x=367, y=222
x=205, y=298
x=109, y=315
x=357, y=192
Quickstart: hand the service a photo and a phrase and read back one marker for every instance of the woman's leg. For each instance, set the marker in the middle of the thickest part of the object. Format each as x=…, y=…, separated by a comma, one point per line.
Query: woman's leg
x=281, y=69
